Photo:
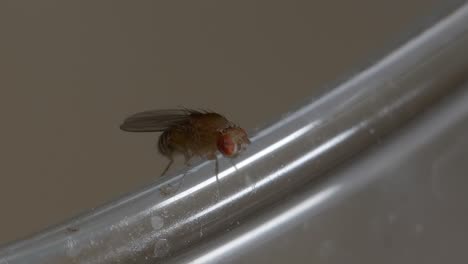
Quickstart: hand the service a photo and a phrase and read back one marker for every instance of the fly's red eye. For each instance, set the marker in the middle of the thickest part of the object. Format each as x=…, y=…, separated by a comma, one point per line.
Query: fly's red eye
x=226, y=145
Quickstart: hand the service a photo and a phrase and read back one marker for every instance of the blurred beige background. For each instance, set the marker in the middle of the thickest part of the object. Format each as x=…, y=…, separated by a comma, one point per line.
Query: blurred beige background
x=72, y=70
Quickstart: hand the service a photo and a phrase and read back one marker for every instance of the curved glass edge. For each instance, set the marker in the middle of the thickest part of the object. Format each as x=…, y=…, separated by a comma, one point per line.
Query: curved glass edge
x=148, y=226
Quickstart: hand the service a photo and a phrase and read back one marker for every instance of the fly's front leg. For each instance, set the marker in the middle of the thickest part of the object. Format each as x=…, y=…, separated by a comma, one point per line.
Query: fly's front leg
x=217, y=177
x=212, y=156
x=217, y=169
x=233, y=164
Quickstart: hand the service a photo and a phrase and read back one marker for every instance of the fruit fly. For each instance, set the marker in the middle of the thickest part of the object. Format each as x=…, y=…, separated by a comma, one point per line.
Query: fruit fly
x=190, y=133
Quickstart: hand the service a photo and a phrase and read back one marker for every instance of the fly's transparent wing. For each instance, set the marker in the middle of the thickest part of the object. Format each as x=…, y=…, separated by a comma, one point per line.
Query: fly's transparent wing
x=156, y=120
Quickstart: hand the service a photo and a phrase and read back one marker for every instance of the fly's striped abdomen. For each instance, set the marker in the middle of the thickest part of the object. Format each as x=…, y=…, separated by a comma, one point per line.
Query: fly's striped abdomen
x=163, y=144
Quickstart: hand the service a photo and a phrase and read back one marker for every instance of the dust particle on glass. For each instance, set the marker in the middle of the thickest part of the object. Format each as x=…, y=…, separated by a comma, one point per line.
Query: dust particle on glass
x=72, y=229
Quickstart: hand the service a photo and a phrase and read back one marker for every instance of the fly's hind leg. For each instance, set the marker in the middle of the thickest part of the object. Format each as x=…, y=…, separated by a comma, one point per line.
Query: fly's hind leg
x=233, y=164
x=171, y=160
x=169, y=188
x=187, y=165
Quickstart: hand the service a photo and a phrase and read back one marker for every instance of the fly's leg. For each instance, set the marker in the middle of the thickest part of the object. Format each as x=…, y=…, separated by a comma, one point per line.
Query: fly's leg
x=217, y=177
x=234, y=165
x=171, y=160
x=187, y=165
x=169, y=188
x=188, y=155
x=247, y=177
x=217, y=169
x=166, y=190
x=212, y=156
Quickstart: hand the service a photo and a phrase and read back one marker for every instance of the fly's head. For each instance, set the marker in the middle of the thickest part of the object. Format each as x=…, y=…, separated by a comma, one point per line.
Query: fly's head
x=232, y=140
